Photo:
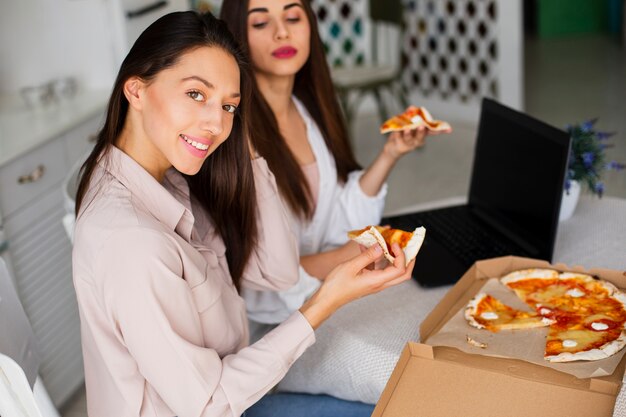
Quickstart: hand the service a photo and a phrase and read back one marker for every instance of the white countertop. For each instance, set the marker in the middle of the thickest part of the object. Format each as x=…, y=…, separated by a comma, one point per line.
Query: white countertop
x=23, y=129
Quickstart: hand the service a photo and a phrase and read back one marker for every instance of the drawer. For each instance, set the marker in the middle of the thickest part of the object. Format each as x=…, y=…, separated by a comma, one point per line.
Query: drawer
x=31, y=175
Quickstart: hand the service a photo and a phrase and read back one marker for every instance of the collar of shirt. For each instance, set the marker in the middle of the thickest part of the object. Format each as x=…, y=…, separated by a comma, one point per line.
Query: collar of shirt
x=153, y=195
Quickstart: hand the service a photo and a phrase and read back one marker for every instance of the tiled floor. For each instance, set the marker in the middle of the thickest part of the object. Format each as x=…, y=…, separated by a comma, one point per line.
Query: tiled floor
x=567, y=80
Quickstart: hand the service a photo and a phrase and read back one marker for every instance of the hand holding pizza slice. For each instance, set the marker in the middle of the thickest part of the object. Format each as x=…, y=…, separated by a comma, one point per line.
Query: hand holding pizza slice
x=412, y=118
x=410, y=243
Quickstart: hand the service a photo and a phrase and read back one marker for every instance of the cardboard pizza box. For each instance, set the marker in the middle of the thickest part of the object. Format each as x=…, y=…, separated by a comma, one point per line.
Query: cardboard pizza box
x=438, y=381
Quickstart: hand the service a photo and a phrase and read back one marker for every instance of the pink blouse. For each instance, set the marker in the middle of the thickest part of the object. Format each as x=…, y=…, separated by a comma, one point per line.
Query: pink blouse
x=164, y=331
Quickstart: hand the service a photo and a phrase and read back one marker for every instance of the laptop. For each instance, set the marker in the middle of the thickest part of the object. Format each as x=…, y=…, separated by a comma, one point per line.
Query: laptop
x=514, y=199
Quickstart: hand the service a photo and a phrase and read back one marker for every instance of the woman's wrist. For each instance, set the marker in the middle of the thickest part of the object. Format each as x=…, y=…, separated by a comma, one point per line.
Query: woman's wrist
x=316, y=310
x=389, y=154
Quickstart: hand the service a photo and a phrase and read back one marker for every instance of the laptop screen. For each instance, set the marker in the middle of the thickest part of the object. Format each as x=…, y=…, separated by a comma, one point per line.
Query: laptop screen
x=518, y=175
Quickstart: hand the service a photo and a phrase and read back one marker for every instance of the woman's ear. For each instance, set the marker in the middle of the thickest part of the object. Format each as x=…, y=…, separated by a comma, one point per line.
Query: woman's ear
x=132, y=90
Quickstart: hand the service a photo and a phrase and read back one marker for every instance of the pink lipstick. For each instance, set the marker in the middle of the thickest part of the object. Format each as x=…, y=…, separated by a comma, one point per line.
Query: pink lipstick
x=284, y=52
x=196, y=146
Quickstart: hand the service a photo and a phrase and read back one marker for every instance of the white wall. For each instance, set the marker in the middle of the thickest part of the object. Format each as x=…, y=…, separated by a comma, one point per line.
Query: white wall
x=44, y=39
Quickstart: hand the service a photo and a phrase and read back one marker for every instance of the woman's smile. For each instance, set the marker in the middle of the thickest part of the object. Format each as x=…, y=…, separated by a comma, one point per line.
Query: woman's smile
x=195, y=145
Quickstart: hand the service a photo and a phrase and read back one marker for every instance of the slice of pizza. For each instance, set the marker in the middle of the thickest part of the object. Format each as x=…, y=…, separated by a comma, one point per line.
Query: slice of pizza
x=409, y=242
x=487, y=312
x=565, y=292
x=576, y=337
x=412, y=118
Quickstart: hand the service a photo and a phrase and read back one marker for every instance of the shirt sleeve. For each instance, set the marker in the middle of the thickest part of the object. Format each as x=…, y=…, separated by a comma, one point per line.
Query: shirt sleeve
x=272, y=307
x=353, y=210
x=151, y=310
x=274, y=262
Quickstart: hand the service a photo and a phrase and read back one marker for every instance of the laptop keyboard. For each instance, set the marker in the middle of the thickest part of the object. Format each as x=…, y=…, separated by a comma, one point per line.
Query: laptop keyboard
x=455, y=229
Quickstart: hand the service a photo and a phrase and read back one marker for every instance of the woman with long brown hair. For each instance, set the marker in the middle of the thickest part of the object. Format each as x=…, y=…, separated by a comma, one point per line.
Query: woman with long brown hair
x=297, y=126
x=173, y=217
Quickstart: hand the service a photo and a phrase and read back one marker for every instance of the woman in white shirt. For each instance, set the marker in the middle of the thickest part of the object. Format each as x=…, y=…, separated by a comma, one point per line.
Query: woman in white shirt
x=297, y=126
x=160, y=252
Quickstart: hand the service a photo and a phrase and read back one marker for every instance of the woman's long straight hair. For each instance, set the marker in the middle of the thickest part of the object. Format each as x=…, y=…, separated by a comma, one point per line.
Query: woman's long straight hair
x=225, y=185
x=313, y=86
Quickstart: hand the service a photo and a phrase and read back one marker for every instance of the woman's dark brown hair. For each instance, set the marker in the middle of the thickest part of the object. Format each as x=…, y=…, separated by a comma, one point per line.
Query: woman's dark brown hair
x=225, y=185
x=314, y=88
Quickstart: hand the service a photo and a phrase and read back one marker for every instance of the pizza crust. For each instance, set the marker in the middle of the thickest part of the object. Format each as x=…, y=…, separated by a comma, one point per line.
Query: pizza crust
x=418, y=116
x=603, y=352
x=372, y=236
x=532, y=273
x=472, y=308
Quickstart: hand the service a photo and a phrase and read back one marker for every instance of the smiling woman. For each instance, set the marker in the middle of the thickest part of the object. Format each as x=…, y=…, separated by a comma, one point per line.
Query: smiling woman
x=173, y=217
x=178, y=118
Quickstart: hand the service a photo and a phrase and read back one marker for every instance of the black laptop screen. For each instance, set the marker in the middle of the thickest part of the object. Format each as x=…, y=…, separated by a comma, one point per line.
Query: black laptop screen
x=518, y=174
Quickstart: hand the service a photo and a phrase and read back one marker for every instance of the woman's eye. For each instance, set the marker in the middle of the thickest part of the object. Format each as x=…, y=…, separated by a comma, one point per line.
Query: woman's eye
x=293, y=19
x=230, y=108
x=259, y=25
x=196, y=95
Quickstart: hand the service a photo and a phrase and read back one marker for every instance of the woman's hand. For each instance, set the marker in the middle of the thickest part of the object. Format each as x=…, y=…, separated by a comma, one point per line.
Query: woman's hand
x=320, y=264
x=402, y=142
x=352, y=280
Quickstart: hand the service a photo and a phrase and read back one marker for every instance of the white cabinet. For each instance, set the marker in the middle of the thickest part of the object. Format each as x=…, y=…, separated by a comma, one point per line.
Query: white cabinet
x=40, y=252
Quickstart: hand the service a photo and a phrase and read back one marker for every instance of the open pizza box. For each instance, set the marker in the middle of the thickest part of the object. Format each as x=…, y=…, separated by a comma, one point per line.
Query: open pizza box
x=432, y=380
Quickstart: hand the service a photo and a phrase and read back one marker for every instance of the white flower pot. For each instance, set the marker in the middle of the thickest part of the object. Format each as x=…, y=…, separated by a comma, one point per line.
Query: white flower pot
x=569, y=201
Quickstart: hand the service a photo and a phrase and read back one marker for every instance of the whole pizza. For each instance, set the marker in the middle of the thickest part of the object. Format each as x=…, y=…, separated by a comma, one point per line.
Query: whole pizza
x=586, y=316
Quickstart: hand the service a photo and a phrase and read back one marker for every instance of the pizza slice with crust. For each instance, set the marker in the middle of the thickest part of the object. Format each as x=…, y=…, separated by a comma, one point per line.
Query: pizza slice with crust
x=487, y=312
x=412, y=118
x=409, y=242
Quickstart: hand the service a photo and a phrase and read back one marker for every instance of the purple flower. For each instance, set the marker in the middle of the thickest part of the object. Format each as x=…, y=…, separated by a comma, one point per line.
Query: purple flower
x=588, y=158
x=604, y=135
x=588, y=125
x=599, y=188
x=616, y=166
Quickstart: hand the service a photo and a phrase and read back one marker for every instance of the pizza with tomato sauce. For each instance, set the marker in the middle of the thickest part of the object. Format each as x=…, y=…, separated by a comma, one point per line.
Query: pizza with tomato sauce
x=487, y=312
x=586, y=316
x=410, y=242
x=412, y=118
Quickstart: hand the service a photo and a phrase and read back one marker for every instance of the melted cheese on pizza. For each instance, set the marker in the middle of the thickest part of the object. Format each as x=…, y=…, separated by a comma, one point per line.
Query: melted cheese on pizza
x=493, y=315
x=390, y=236
x=413, y=117
x=585, y=313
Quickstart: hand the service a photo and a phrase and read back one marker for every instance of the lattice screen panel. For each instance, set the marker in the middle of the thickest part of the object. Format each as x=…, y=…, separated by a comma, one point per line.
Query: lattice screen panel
x=454, y=51
x=451, y=48
x=450, y=51
x=341, y=26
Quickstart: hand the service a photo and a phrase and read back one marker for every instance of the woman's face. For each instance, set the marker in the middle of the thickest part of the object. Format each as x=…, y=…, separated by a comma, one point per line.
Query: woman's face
x=187, y=110
x=279, y=36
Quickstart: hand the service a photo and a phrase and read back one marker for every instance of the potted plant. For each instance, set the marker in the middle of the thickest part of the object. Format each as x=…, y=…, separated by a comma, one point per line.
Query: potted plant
x=587, y=162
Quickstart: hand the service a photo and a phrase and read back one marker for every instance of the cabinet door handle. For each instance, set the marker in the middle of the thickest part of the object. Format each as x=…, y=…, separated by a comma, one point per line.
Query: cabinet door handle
x=33, y=176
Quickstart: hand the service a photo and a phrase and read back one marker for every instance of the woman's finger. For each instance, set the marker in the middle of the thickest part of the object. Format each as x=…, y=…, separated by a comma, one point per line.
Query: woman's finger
x=404, y=277
x=370, y=256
